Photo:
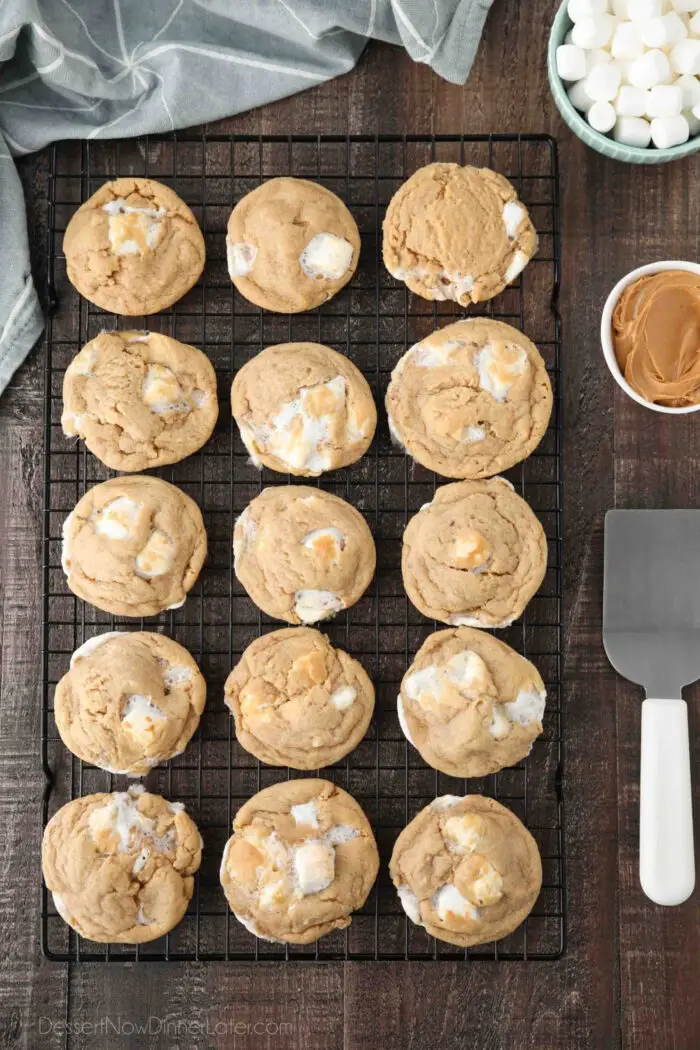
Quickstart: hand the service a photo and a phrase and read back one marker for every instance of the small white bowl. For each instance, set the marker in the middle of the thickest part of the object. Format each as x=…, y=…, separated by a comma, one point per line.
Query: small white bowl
x=606, y=330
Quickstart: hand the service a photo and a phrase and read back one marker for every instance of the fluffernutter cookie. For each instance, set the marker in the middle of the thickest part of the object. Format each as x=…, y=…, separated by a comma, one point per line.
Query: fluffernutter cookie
x=134, y=247
x=121, y=866
x=475, y=555
x=470, y=400
x=133, y=546
x=302, y=553
x=139, y=399
x=301, y=860
x=297, y=701
x=303, y=408
x=130, y=701
x=291, y=245
x=457, y=233
x=467, y=870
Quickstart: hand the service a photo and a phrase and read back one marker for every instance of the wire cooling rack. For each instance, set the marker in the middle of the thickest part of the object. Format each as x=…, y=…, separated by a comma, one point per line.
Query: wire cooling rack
x=373, y=320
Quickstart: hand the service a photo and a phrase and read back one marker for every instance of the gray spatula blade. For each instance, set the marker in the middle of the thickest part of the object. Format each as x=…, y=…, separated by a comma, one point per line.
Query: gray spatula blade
x=651, y=597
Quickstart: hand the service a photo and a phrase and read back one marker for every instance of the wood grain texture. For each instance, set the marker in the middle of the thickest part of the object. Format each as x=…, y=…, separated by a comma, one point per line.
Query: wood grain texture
x=628, y=979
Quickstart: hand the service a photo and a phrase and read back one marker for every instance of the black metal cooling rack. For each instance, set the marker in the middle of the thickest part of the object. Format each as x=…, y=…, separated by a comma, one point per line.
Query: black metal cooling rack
x=373, y=320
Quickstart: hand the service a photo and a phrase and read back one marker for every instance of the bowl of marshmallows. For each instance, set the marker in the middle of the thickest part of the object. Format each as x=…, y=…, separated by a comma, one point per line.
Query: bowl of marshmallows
x=625, y=75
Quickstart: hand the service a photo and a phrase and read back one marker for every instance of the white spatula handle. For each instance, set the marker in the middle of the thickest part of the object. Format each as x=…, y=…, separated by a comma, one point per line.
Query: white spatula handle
x=666, y=858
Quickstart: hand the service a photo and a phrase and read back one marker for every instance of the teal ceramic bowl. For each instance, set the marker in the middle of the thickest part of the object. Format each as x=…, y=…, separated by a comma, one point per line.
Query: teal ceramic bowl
x=580, y=126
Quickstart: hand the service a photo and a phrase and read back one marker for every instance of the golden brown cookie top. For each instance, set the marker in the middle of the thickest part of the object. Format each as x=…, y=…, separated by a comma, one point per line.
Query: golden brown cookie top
x=466, y=869
x=301, y=859
x=139, y=399
x=129, y=701
x=470, y=704
x=458, y=233
x=303, y=408
x=297, y=701
x=475, y=555
x=291, y=245
x=470, y=400
x=133, y=546
x=120, y=866
x=302, y=553
x=134, y=247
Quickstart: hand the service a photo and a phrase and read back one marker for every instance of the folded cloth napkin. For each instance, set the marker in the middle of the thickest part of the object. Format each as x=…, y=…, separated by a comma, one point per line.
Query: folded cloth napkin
x=114, y=68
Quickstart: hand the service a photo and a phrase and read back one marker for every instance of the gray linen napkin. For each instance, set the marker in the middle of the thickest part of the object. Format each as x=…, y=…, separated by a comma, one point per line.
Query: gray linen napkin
x=113, y=68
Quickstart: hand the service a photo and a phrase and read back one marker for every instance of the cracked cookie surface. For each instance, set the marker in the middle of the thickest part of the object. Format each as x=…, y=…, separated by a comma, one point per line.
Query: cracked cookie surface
x=466, y=869
x=301, y=860
x=134, y=247
x=474, y=556
x=302, y=553
x=470, y=704
x=470, y=400
x=133, y=546
x=291, y=245
x=121, y=866
x=303, y=408
x=297, y=701
x=130, y=701
x=458, y=233
x=139, y=399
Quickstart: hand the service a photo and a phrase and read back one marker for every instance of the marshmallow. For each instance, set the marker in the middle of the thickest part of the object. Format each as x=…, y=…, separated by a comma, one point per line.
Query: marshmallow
x=579, y=9
x=464, y=832
x=602, y=116
x=240, y=257
x=597, y=56
x=695, y=112
x=449, y=903
x=685, y=57
x=632, y=131
x=571, y=62
x=686, y=5
x=603, y=82
x=513, y=212
x=516, y=266
x=314, y=866
x=117, y=518
x=665, y=100
x=176, y=674
x=579, y=97
x=305, y=813
x=627, y=42
x=156, y=557
x=693, y=122
x=409, y=903
x=132, y=231
x=594, y=31
x=142, y=718
x=162, y=392
x=690, y=87
x=528, y=707
x=91, y=644
x=662, y=32
x=83, y=362
x=326, y=255
x=343, y=697
x=651, y=69
x=643, y=10
x=499, y=365
x=326, y=544
x=669, y=131
x=619, y=9
x=311, y=605
x=631, y=101
x=487, y=887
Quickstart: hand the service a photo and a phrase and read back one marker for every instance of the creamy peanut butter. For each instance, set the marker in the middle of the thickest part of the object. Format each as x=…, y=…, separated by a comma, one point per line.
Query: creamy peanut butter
x=656, y=337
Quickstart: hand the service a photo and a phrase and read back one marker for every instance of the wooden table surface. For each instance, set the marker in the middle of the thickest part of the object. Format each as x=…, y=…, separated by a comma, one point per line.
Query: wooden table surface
x=630, y=976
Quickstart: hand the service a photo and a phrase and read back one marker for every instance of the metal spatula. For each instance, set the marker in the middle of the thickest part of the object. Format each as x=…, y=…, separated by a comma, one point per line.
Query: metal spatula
x=651, y=633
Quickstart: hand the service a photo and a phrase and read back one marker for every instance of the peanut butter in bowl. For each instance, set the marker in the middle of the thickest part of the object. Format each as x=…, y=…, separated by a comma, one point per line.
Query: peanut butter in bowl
x=656, y=337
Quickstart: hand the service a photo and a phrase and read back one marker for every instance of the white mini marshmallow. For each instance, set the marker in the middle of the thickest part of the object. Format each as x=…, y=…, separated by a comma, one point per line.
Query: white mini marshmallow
x=304, y=450
x=473, y=434
x=514, y=213
x=326, y=255
x=603, y=82
x=142, y=718
x=305, y=813
x=83, y=362
x=146, y=223
x=314, y=866
x=690, y=87
x=516, y=266
x=631, y=101
x=571, y=62
x=176, y=674
x=240, y=258
x=665, y=100
x=669, y=131
x=91, y=644
x=696, y=113
x=686, y=5
x=685, y=57
x=141, y=860
x=643, y=10
x=528, y=707
x=693, y=122
x=402, y=719
x=632, y=131
x=427, y=355
x=312, y=605
x=330, y=538
x=651, y=69
x=156, y=557
x=578, y=9
x=340, y=834
x=449, y=901
x=117, y=519
x=619, y=9
x=594, y=31
x=602, y=116
x=597, y=56
x=464, y=832
x=119, y=815
x=161, y=390
x=343, y=697
x=496, y=374
x=409, y=903
x=579, y=97
x=664, y=31
x=626, y=42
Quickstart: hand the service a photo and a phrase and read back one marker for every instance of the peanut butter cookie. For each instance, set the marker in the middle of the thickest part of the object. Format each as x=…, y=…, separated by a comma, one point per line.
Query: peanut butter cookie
x=475, y=555
x=467, y=870
x=301, y=860
x=291, y=245
x=133, y=546
x=139, y=399
x=302, y=409
x=134, y=247
x=121, y=866
x=297, y=701
x=458, y=233
x=470, y=704
x=471, y=400
x=302, y=554
x=129, y=701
